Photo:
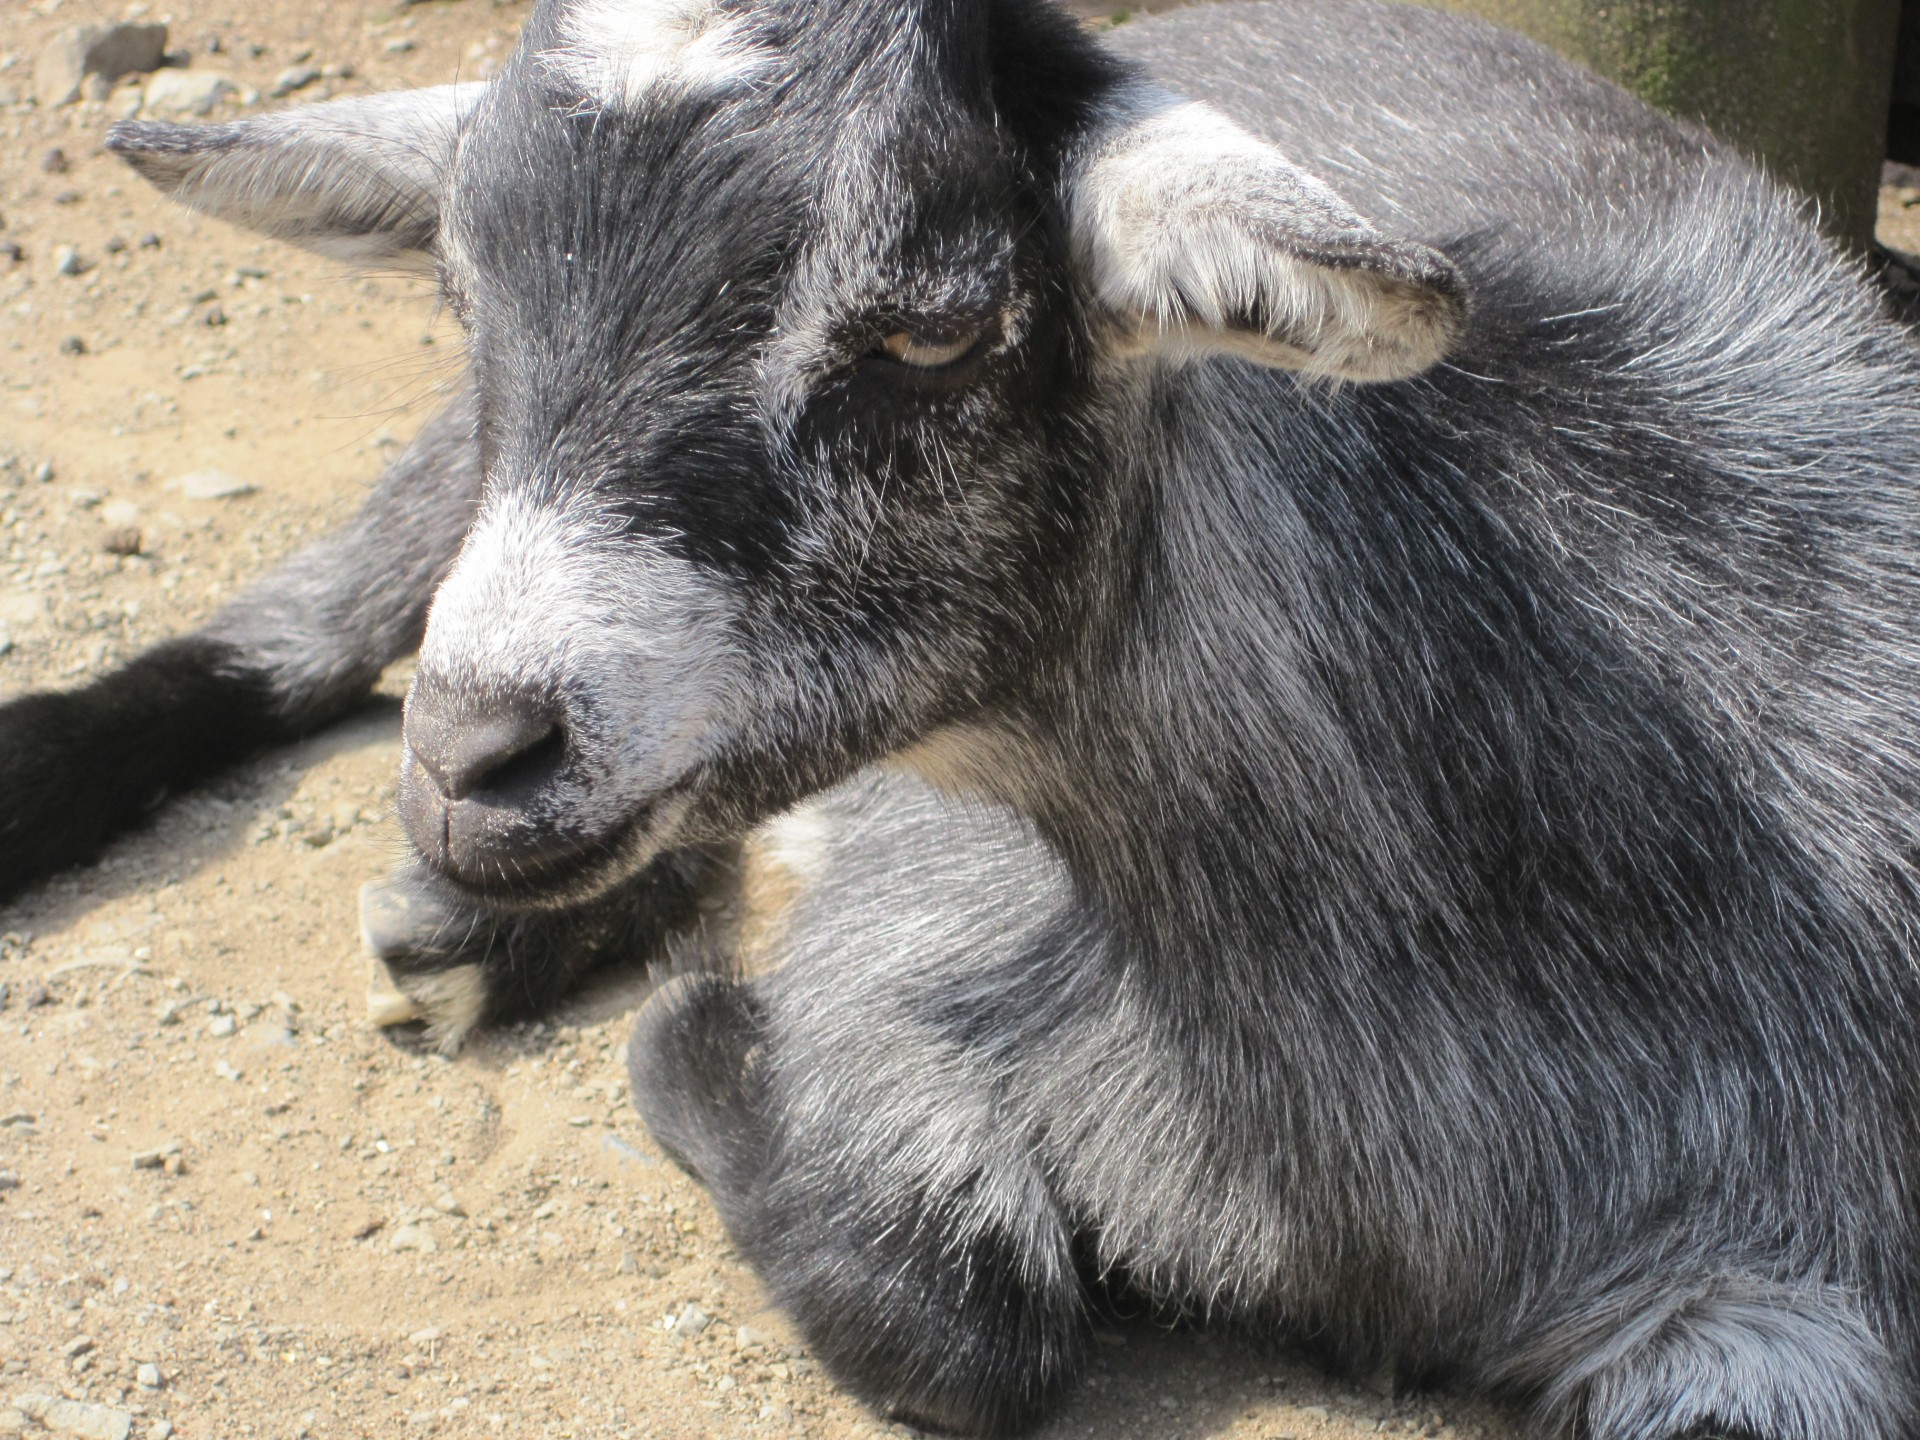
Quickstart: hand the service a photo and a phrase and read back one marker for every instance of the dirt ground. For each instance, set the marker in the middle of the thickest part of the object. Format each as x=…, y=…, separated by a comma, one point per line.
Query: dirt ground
x=227, y=1206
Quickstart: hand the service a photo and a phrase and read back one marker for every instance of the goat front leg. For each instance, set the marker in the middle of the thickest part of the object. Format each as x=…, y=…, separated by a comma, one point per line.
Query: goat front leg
x=916, y=1246
x=449, y=966
x=293, y=652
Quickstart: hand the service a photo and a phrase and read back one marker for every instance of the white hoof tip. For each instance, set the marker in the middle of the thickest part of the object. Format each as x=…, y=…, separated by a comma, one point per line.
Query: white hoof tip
x=385, y=1004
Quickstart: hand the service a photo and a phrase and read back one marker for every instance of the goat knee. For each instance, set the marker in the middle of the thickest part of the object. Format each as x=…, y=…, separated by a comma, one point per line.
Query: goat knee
x=1748, y=1360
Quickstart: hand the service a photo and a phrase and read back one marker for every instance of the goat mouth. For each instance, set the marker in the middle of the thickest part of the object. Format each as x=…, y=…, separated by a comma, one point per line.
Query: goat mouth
x=577, y=872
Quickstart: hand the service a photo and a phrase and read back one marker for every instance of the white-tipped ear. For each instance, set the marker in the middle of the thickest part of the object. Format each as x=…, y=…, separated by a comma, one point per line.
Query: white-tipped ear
x=358, y=180
x=1194, y=236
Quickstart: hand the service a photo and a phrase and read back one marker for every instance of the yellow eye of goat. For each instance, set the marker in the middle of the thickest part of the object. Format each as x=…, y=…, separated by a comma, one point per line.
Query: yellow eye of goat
x=926, y=352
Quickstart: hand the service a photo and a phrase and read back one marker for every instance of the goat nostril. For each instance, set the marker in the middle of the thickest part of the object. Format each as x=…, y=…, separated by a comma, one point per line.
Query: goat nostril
x=494, y=751
x=530, y=766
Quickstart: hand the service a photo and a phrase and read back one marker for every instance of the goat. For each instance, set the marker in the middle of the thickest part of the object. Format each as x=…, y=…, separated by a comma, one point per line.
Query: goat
x=1309, y=610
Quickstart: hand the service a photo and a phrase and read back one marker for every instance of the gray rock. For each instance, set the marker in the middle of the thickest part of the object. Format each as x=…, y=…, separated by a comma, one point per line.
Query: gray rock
x=156, y=1159
x=148, y=1376
x=75, y=1417
x=221, y=1026
x=296, y=78
x=186, y=92
x=106, y=51
x=213, y=485
x=690, y=1322
x=413, y=1237
x=67, y=261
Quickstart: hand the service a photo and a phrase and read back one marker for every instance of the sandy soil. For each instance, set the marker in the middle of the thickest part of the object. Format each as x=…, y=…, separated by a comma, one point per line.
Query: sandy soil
x=210, y=1166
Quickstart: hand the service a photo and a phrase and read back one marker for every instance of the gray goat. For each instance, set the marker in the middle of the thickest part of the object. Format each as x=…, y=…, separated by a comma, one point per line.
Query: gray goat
x=1396, y=690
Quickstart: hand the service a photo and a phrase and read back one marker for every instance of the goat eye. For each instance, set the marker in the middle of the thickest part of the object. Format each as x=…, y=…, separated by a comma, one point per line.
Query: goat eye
x=929, y=352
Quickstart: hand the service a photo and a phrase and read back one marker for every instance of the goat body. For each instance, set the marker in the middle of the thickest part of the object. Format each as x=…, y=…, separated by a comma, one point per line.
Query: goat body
x=1308, y=609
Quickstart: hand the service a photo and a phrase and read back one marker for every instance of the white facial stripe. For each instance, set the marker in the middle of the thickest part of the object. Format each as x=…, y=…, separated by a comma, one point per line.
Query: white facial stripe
x=617, y=50
x=547, y=600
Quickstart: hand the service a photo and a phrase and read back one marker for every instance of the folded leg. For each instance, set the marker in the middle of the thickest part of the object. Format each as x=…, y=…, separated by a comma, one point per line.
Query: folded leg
x=849, y=1107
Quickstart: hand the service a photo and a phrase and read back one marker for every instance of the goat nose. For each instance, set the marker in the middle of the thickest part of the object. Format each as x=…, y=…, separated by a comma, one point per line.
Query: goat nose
x=481, y=750
x=480, y=792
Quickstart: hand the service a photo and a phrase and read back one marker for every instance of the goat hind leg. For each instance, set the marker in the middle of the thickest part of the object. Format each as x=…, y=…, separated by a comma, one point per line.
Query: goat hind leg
x=293, y=652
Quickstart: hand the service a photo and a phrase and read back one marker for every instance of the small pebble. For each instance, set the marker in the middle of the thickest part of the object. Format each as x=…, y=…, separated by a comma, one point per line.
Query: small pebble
x=121, y=540
x=222, y=1026
x=156, y=1158
x=213, y=485
x=297, y=78
x=412, y=1237
x=73, y=345
x=690, y=1322
x=55, y=162
x=11, y=252
x=148, y=1376
x=67, y=261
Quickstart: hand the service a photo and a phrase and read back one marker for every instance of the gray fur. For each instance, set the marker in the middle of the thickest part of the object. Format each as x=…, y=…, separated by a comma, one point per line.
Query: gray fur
x=1426, y=865
x=322, y=625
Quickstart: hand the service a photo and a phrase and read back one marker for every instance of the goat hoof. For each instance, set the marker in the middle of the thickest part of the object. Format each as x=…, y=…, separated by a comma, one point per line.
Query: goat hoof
x=399, y=916
x=414, y=939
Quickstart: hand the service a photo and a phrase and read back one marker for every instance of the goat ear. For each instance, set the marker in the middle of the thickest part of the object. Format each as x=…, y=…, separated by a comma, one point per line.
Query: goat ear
x=357, y=180
x=1193, y=236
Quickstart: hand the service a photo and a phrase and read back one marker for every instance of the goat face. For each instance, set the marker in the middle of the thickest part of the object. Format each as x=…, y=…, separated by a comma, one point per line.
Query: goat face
x=795, y=333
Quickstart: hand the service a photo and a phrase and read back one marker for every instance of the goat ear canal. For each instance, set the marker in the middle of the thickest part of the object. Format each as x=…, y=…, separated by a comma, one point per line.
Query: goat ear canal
x=1196, y=238
x=356, y=180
